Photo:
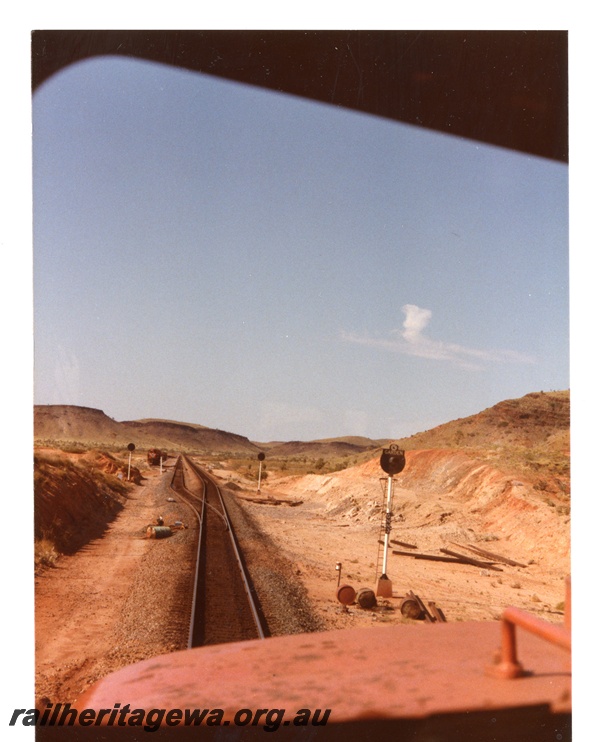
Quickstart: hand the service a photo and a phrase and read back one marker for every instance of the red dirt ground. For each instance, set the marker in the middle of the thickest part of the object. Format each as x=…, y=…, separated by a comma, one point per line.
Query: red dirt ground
x=86, y=604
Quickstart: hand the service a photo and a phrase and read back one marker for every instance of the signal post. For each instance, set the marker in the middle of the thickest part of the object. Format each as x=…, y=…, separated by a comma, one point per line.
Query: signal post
x=392, y=462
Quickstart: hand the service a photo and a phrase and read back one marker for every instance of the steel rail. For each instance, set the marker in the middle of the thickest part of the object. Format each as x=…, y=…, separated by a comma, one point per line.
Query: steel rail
x=184, y=462
x=245, y=576
x=200, y=516
x=240, y=562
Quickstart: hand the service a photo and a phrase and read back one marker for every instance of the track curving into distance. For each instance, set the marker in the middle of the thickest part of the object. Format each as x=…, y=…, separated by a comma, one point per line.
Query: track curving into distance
x=224, y=606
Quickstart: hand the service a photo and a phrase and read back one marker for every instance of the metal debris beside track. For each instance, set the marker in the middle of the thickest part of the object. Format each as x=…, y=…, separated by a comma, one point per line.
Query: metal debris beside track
x=486, y=560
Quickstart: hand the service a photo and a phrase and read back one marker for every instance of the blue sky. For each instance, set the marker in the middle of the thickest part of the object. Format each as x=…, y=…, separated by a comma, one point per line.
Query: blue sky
x=219, y=254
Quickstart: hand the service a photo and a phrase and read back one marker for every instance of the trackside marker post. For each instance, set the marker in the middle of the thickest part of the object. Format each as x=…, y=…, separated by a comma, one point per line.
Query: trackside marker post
x=130, y=448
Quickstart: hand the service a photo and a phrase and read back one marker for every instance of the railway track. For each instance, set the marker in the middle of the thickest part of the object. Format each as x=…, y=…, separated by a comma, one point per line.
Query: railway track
x=224, y=606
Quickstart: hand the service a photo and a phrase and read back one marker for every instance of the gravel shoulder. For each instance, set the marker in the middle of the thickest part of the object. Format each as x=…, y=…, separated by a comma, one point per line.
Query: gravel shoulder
x=124, y=597
x=283, y=598
x=115, y=601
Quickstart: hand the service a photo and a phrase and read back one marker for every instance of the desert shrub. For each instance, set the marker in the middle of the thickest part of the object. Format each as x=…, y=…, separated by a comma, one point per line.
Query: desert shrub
x=45, y=553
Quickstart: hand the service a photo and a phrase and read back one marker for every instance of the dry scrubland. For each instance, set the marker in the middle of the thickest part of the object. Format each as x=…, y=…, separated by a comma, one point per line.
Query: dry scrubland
x=498, y=480
x=512, y=458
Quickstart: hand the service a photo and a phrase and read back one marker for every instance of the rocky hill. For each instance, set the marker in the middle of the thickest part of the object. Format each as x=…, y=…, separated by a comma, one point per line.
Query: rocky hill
x=535, y=419
x=74, y=424
x=186, y=437
x=529, y=435
x=324, y=448
x=85, y=427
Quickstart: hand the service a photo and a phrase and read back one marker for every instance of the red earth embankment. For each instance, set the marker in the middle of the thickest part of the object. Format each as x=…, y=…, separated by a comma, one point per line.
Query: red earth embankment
x=445, y=495
x=76, y=495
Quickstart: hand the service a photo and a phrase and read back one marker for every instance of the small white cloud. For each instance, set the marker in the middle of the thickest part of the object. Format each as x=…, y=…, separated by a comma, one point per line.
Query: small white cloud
x=416, y=320
x=411, y=341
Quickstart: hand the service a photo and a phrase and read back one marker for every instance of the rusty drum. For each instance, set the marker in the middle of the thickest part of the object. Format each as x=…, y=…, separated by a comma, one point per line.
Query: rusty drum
x=346, y=594
x=365, y=598
x=410, y=608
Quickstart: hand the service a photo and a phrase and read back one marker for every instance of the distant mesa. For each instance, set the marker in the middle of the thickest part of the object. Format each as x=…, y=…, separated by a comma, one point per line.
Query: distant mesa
x=536, y=419
x=92, y=427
